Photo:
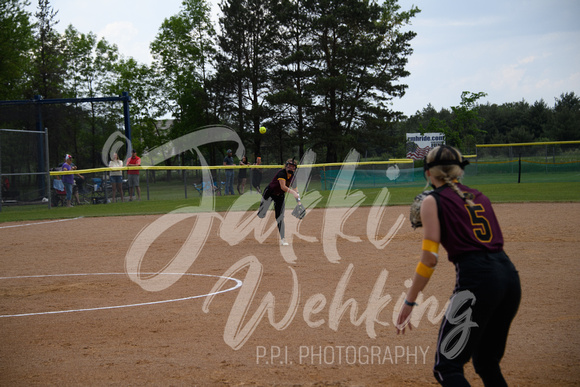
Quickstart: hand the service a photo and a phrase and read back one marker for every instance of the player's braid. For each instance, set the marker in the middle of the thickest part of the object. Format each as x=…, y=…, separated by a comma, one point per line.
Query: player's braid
x=451, y=183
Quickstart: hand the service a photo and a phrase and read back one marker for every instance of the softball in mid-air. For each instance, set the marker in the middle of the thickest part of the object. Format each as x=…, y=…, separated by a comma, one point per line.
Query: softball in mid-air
x=263, y=129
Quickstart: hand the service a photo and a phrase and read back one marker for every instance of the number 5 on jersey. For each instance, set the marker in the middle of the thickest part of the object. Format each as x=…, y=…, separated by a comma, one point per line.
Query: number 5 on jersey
x=480, y=224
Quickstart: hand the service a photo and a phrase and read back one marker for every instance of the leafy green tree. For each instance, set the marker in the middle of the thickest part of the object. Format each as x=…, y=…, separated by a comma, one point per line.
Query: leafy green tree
x=145, y=87
x=491, y=115
x=463, y=131
x=80, y=68
x=16, y=44
x=498, y=122
x=290, y=97
x=359, y=54
x=249, y=31
x=48, y=79
x=182, y=51
x=520, y=134
x=89, y=68
x=538, y=117
x=565, y=124
x=230, y=62
x=429, y=120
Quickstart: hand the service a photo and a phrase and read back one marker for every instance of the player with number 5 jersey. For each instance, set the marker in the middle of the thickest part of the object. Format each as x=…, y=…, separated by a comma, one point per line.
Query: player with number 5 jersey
x=487, y=289
x=467, y=228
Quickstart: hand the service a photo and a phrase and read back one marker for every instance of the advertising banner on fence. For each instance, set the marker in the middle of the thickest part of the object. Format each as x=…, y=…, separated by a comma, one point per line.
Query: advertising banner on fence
x=418, y=145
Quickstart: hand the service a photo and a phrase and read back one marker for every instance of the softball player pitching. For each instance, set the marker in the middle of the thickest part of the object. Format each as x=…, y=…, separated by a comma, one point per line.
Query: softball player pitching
x=282, y=182
x=487, y=291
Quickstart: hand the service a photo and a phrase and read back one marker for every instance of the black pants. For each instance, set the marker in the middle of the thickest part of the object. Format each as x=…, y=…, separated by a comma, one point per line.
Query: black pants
x=476, y=324
x=278, y=200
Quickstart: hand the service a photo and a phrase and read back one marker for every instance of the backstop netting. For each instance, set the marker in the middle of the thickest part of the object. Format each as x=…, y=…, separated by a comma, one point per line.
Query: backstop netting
x=36, y=134
x=22, y=165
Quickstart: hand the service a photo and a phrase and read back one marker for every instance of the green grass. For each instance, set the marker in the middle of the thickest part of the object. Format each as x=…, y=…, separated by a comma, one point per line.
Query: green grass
x=532, y=192
x=164, y=199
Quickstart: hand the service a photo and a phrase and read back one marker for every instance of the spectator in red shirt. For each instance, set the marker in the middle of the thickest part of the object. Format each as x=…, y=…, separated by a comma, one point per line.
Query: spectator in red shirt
x=133, y=175
x=5, y=184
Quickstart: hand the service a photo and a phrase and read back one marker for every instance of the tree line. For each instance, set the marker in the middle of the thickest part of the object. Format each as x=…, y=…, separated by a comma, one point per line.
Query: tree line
x=319, y=74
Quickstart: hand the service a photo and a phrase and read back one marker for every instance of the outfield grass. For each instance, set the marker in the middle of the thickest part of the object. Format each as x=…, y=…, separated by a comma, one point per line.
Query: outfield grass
x=167, y=199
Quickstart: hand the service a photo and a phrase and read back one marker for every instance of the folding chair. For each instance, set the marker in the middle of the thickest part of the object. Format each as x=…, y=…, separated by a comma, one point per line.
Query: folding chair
x=203, y=188
x=98, y=196
x=58, y=193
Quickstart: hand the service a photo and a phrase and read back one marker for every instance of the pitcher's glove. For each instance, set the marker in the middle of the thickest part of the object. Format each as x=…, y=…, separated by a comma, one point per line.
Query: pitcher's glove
x=415, y=216
x=299, y=211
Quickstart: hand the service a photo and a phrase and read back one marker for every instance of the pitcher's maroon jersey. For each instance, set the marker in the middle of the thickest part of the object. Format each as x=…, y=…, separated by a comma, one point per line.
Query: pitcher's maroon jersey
x=282, y=174
x=467, y=229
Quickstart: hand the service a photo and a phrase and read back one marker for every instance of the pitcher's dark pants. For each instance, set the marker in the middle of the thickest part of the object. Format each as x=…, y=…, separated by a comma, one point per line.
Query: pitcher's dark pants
x=476, y=324
x=278, y=200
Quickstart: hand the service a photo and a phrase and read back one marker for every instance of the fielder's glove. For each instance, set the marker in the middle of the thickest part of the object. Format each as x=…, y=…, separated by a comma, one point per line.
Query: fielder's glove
x=415, y=216
x=299, y=211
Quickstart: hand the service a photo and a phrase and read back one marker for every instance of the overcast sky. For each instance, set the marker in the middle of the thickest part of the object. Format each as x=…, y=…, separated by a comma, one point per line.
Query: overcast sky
x=512, y=50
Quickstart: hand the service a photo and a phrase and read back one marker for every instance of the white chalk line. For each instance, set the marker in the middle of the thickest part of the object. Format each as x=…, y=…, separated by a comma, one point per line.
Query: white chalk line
x=34, y=224
x=236, y=286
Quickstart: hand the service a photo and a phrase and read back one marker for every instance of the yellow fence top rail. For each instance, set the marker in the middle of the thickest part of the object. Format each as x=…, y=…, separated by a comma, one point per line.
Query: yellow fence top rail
x=527, y=144
x=199, y=168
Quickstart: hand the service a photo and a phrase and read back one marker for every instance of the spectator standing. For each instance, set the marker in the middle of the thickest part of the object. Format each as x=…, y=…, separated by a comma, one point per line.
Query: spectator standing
x=229, y=160
x=116, y=177
x=242, y=177
x=257, y=175
x=79, y=181
x=133, y=175
x=5, y=184
x=68, y=180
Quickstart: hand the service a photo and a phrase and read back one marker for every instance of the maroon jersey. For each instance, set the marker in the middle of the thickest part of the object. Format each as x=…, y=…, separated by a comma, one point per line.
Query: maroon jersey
x=274, y=185
x=467, y=229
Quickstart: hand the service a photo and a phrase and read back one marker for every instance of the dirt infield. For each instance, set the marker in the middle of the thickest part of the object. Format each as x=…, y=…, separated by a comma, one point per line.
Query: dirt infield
x=319, y=313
